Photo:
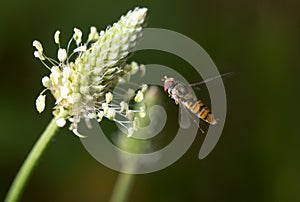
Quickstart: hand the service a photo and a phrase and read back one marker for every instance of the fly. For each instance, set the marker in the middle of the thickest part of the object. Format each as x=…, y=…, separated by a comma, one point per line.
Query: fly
x=183, y=95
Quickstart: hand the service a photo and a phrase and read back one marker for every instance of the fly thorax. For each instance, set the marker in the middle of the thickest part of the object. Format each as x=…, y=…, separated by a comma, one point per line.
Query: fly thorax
x=180, y=90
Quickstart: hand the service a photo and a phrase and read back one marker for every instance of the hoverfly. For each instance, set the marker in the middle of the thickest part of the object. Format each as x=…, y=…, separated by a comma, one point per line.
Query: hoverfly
x=183, y=95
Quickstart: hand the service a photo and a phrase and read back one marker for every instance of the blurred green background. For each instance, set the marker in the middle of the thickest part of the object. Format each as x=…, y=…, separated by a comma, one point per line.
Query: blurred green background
x=257, y=157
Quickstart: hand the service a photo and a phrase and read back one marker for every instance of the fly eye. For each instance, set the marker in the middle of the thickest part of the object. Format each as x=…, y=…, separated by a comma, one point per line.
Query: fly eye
x=167, y=85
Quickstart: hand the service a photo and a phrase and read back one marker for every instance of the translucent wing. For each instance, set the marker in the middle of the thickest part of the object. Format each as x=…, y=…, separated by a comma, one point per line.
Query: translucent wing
x=183, y=116
x=210, y=79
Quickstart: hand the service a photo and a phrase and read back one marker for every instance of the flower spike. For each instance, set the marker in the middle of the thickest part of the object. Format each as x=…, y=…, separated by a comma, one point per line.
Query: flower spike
x=83, y=86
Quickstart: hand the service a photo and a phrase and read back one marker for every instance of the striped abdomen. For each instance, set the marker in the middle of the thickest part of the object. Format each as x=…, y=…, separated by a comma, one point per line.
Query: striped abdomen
x=198, y=108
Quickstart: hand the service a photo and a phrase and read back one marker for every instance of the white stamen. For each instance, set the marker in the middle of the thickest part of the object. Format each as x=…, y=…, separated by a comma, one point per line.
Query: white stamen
x=100, y=116
x=124, y=107
x=77, y=36
x=108, y=97
x=46, y=81
x=134, y=68
x=62, y=54
x=64, y=91
x=40, y=103
x=39, y=55
x=111, y=113
x=130, y=132
x=93, y=36
x=38, y=46
x=143, y=70
x=61, y=122
x=105, y=108
x=139, y=96
x=144, y=88
x=56, y=36
x=78, y=134
x=79, y=49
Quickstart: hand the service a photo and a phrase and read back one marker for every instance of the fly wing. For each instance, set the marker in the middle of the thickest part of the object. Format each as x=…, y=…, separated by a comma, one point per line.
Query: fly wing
x=183, y=116
x=211, y=79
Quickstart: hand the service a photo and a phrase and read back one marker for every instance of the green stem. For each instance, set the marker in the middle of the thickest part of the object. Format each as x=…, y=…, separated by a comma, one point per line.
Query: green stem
x=30, y=163
x=122, y=188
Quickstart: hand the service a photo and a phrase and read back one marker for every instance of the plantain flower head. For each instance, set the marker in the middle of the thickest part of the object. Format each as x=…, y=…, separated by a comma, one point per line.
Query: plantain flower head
x=81, y=80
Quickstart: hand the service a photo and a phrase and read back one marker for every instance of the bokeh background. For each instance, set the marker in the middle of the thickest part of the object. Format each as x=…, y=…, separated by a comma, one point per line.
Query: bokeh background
x=257, y=157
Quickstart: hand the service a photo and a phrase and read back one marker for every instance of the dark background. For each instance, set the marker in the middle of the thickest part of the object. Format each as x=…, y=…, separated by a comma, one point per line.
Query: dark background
x=257, y=157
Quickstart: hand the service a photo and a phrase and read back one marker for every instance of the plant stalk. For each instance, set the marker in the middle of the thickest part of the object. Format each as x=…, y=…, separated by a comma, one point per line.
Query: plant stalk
x=30, y=163
x=122, y=187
